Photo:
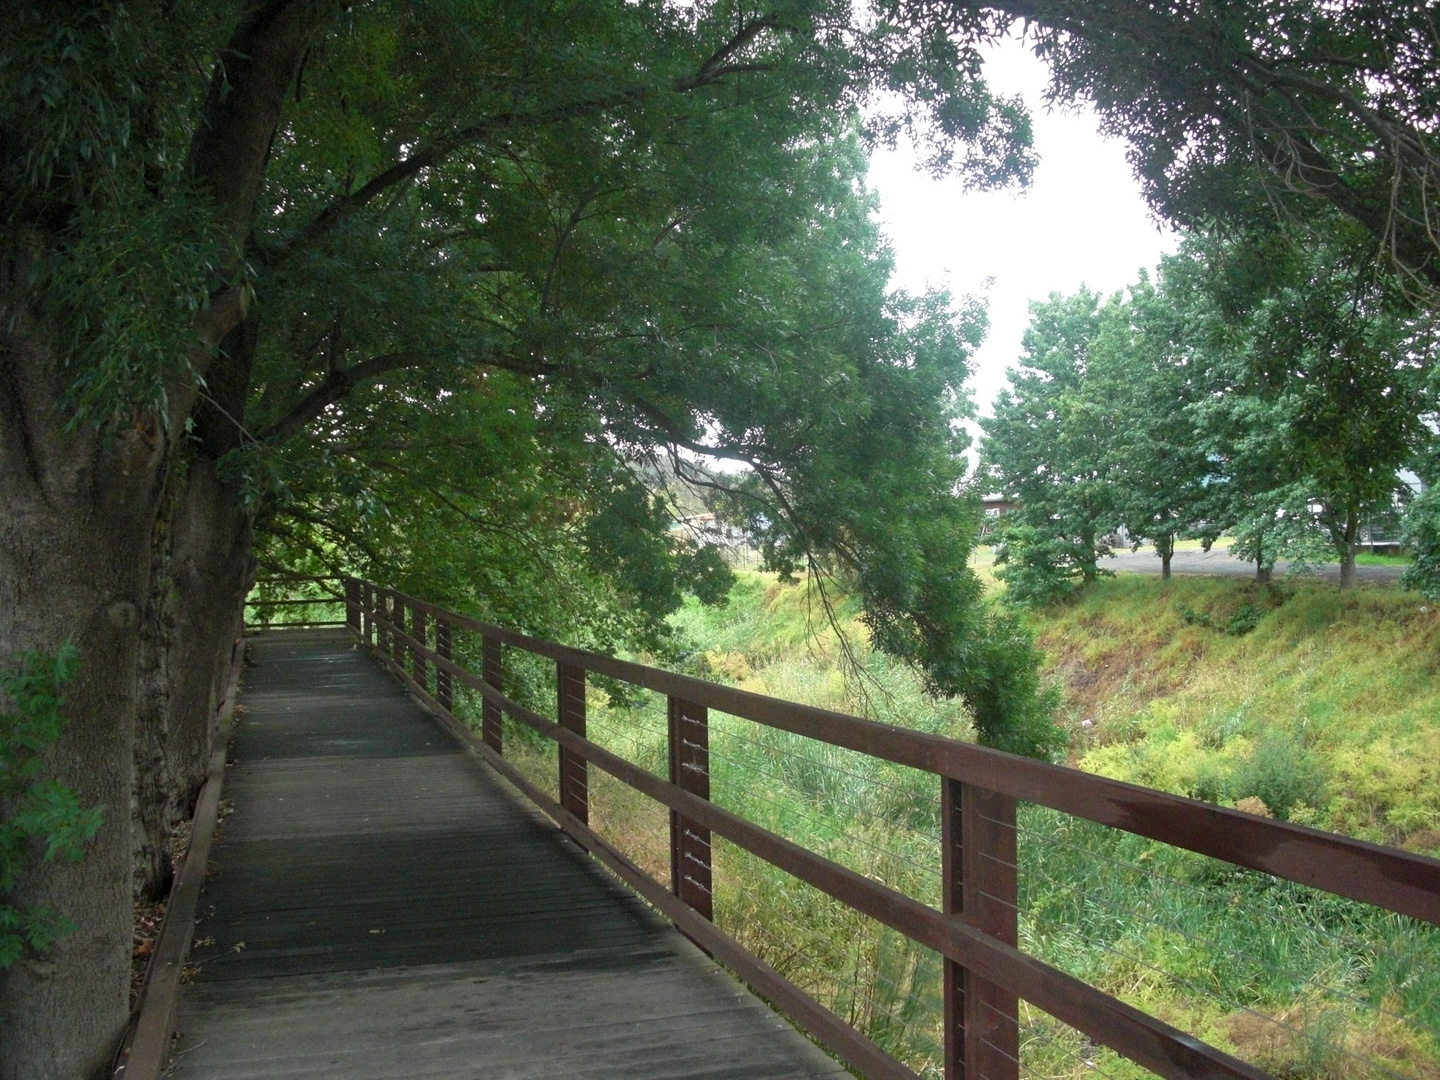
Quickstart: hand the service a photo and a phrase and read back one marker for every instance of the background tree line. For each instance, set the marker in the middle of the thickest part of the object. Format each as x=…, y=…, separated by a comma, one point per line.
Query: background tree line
x=1259, y=388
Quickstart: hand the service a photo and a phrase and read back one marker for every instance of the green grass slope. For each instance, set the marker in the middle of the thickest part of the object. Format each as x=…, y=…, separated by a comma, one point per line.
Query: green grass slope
x=1324, y=706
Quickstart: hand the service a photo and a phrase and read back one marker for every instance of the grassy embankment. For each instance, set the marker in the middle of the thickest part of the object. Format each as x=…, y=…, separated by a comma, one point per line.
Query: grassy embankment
x=1295, y=700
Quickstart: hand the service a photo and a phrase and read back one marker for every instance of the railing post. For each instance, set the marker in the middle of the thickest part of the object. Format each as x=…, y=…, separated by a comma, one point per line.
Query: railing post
x=570, y=714
x=492, y=671
x=982, y=1021
x=444, y=692
x=352, y=604
x=417, y=658
x=367, y=614
x=382, y=622
x=397, y=617
x=690, y=867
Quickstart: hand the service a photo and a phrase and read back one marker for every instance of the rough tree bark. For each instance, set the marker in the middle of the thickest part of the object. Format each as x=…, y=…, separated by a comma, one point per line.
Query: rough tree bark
x=205, y=565
x=78, y=555
x=203, y=568
x=74, y=563
x=1347, y=548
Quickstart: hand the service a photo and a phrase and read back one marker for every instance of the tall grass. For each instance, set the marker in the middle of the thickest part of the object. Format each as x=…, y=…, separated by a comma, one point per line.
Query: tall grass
x=1329, y=701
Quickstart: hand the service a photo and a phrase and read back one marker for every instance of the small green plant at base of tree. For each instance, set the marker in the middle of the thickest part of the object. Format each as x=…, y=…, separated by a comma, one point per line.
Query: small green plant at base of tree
x=43, y=819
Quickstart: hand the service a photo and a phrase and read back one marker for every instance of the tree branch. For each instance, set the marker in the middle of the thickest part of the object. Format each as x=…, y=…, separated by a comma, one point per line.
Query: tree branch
x=710, y=72
x=333, y=388
x=717, y=66
x=247, y=91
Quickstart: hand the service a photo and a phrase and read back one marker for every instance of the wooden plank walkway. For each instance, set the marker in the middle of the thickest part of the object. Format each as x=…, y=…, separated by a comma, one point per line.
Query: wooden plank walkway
x=380, y=905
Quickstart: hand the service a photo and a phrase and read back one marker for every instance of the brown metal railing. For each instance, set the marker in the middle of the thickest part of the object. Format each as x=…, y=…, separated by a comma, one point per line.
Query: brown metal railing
x=975, y=929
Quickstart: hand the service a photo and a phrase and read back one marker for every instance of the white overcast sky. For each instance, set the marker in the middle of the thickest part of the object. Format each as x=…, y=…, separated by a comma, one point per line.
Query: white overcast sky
x=1081, y=221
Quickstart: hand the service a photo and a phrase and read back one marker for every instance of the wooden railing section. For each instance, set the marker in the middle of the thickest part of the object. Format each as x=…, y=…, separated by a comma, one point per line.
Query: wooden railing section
x=975, y=930
x=323, y=596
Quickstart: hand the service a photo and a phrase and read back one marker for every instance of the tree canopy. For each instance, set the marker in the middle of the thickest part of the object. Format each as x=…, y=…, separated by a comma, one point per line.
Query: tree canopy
x=1279, y=109
x=1260, y=389
x=424, y=292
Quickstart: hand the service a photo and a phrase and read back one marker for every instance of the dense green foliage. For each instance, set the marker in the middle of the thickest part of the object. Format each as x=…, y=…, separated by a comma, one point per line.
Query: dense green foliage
x=1422, y=536
x=503, y=261
x=1050, y=447
x=43, y=819
x=466, y=392
x=1257, y=389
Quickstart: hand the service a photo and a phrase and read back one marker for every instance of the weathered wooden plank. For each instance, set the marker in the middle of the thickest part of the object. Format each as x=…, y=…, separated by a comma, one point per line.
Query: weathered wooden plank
x=379, y=906
x=646, y=1013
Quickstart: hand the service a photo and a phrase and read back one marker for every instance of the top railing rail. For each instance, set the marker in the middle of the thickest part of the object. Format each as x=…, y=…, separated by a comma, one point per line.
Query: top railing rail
x=974, y=930
x=298, y=609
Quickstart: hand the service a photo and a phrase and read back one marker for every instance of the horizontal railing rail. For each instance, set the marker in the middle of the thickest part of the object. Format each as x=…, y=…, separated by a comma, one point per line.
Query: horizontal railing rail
x=264, y=608
x=975, y=927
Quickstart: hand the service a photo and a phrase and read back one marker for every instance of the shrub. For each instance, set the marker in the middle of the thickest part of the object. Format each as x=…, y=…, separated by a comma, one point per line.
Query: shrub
x=1421, y=534
x=43, y=819
x=1282, y=773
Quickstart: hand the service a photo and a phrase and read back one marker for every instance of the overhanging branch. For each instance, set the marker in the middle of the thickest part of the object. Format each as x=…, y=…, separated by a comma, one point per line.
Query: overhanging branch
x=333, y=388
x=714, y=69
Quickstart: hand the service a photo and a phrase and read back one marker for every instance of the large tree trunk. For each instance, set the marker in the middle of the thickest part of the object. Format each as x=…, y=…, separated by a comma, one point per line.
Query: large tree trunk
x=77, y=536
x=204, y=569
x=1165, y=548
x=75, y=533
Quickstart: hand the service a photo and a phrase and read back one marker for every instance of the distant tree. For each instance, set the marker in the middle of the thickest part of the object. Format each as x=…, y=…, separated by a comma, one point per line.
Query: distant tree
x=1420, y=522
x=1050, y=447
x=1317, y=399
x=1145, y=366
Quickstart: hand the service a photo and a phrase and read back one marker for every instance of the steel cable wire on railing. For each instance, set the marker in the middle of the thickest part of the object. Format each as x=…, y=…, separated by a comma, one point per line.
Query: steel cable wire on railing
x=869, y=781
x=843, y=982
x=1150, y=873
x=1204, y=992
x=820, y=823
x=816, y=938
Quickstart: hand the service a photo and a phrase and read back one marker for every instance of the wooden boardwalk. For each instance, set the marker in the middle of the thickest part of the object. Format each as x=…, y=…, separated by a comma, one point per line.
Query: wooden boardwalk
x=380, y=906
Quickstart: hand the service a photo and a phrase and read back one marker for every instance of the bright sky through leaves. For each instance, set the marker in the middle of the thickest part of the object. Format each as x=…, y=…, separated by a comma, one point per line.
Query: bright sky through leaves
x=1081, y=222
